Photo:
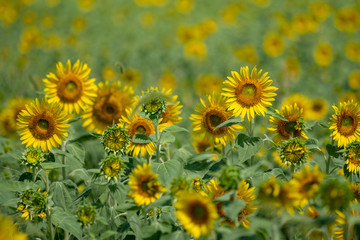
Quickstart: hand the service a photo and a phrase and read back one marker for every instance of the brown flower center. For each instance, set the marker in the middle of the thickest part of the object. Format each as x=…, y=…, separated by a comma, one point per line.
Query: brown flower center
x=212, y=118
x=42, y=126
x=70, y=89
x=198, y=212
x=347, y=124
x=248, y=93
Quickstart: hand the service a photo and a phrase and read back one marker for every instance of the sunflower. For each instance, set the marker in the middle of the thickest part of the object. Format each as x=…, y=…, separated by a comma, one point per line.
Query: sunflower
x=86, y=214
x=211, y=114
x=293, y=127
x=112, y=167
x=167, y=81
x=144, y=186
x=32, y=157
x=108, y=107
x=301, y=101
x=201, y=144
x=207, y=84
x=323, y=54
x=344, y=229
x=293, y=152
x=70, y=87
x=131, y=77
x=196, y=213
x=309, y=182
x=304, y=23
x=9, y=230
x=273, y=45
x=43, y=125
x=115, y=139
x=246, y=193
x=345, y=123
x=9, y=115
x=354, y=80
x=320, y=10
x=352, y=51
x=247, y=53
x=335, y=194
x=347, y=19
x=139, y=125
x=352, y=157
x=248, y=94
x=319, y=109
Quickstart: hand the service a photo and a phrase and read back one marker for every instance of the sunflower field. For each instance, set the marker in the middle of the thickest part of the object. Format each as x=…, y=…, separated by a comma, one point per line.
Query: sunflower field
x=179, y=119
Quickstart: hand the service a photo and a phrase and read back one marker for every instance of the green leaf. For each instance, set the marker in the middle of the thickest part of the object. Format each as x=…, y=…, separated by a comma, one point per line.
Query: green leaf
x=231, y=121
x=77, y=150
x=248, y=146
x=61, y=195
x=17, y=186
x=74, y=120
x=66, y=221
x=141, y=138
x=233, y=207
x=167, y=138
x=325, y=125
x=310, y=124
x=333, y=151
x=167, y=170
x=272, y=112
x=108, y=234
x=178, y=235
x=175, y=128
x=312, y=143
x=52, y=165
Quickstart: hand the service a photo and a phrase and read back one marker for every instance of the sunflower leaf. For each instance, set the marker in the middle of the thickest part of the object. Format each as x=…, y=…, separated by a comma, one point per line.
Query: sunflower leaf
x=233, y=207
x=141, y=138
x=271, y=112
x=248, y=146
x=231, y=121
x=66, y=221
x=174, y=128
x=167, y=170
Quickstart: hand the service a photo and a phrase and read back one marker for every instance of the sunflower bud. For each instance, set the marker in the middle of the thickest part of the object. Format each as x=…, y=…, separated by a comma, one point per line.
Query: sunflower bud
x=293, y=152
x=115, y=139
x=33, y=204
x=111, y=167
x=32, y=157
x=86, y=215
x=230, y=177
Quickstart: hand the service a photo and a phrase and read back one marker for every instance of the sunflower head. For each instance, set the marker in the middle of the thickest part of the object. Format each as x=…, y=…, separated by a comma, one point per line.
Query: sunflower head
x=70, y=87
x=352, y=157
x=319, y=109
x=229, y=177
x=335, y=194
x=144, y=186
x=33, y=204
x=293, y=152
x=345, y=123
x=86, y=214
x=32, y=157
x=115, y=139
x=248, y=94
x=196, y=213
x=42, y=125
x=153, y=103
x=112, y=167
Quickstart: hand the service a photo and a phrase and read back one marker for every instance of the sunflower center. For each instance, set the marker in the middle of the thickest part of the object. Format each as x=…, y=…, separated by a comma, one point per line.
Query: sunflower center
x=70, y=86
x=317, y=107
x=215, y=120
x=109, y=109
x=212, y=118
x=43, y=124
x=249, y=90
x=140, y=130
x=199, y=212
x=347, y=121
x=70, y=89
x=290, y=127
x=149, y=187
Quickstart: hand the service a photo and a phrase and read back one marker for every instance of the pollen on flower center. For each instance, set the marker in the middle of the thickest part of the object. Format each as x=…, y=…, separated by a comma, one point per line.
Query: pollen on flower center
x=71, y=86
x=140, y=130
x=43, y=124
x=109, y=109
x=347, y=121
x=249, y=90
x=215, y=120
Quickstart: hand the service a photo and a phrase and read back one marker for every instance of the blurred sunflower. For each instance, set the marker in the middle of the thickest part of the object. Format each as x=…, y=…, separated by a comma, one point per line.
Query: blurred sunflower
x=323, y=54
x=354, y=80
x=352, y=51
x=139, y=125
x=86, y=214
x=304, y=23
x=292, y=67
x=273, y=45
x=335, y=193
x=195, y=49
x=345, y=123
x=9, y=230
x=209, y=115
x=207, y=84
x=350, y=95
x=167, y=81
x=347, y=19
x=196, y=213
x=356, y=192
x=230, y=13
x=318, y=110
x=202, y=144
x=343, y=228
x=309, y=182
x=247, y=54
x=10, y=114
x=43, y=125
x=108, y=107
x=248, y=94
x=131, y=77
x=293, y=127
x=302, y=101
x=352, y=157
x=246, y=193
x=70, y=87
x=144, y=186
x=320, y=10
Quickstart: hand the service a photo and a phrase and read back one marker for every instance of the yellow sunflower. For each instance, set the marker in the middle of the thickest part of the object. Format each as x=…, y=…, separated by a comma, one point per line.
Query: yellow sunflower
x=9, y=115
x=144, y=186
x=309, y=182
x=196, y=213
x=167, y=80
x=352, y=157
x=248, y=94
x=319, y=109
x=323, y=54
x=247, y=53
x=352, y=51
x=347, y=19
x=345, y=123
x=139, y=125
x=70, y=87
x=343, y=228
x=273, y=45
x=108, y=107
x=210, y=114
x=246, y=193
x=208, y=84
x=301, y=101
x=201, y=144
x=294, y=127
x=43, y=125
x=131, y=77
x=9, y=230
x=354, y=79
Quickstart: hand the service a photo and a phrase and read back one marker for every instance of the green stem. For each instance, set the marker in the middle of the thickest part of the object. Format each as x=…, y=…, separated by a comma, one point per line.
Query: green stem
x=158, y=145
x=351, y=177
x=168, y=151
x=329, y=160
x=251, y=134
x=34, y=174
x=50, y=228
x=154, y=214
x=63, y=161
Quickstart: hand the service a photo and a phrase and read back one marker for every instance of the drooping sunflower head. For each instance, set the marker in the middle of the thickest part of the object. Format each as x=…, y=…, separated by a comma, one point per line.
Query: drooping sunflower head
x=196, y=213
x=248, y=94
x=32, y=157
x=108, y=107
x=293, y=127
x=144, y=186
x=115, y=139
x=318, y=110
x=209, y=115
x=352, y=157
x=86, y=214
x=335, y=194
x=70, y=87
x=293, y=152
x=42, y=125
x=10, y=114
x=345, y=123
x=153, y=102
x=309, y=182
x=112, y=167
x=246, y=193
x=139, y=125
x=33, y=204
